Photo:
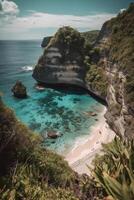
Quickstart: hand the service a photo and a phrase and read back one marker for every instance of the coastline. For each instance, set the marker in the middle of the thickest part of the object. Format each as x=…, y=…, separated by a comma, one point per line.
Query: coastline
x=82, y=155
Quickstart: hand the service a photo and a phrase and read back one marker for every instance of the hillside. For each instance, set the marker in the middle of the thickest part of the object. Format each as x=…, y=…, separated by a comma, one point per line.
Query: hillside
x=112, y=73
x=29, y=171
x=90, y=36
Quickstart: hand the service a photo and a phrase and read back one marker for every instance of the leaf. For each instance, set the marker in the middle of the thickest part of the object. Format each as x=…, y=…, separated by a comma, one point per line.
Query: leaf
x=113, y=186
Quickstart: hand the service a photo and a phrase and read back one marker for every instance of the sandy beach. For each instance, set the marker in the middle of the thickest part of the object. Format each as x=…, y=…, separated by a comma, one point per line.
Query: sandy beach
x=83, y=153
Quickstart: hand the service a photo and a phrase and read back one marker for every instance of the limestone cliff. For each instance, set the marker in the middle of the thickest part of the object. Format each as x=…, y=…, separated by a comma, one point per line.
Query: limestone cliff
x=116, y=51
x=62, y=61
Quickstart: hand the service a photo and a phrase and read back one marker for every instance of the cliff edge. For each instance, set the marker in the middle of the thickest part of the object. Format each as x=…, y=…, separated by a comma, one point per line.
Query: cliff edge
x=115, y=68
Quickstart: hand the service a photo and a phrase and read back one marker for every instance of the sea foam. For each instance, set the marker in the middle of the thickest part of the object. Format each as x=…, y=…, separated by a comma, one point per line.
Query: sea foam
x=27, y=68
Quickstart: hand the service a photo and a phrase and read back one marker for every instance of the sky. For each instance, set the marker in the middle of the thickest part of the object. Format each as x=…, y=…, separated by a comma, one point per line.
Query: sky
x=35, y=19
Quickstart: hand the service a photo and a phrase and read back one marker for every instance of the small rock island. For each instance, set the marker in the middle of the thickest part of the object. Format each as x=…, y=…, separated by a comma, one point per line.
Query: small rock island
x=62, y=61
x=19, y=90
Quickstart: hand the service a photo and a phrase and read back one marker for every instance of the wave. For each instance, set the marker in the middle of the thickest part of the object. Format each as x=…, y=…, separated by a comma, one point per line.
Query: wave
x=27, y=68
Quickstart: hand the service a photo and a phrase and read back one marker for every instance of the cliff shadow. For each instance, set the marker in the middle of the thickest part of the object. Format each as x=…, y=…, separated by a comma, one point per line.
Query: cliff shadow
x=73, y=89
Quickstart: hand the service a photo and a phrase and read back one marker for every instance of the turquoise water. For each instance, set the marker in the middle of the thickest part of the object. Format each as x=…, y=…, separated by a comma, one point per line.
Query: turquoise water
x=51, y=109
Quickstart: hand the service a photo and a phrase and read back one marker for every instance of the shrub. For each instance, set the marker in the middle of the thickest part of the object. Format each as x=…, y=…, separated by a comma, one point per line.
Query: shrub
x=97, y=79
x=28, y=170
x=115, y=169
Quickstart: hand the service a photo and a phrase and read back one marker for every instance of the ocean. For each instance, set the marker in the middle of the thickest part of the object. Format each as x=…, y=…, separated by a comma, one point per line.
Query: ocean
x=49, y=110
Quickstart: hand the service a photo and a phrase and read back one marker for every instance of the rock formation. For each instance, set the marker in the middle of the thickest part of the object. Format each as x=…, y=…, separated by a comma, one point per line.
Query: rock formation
x=19, y=90
x=106, y=68
x=53, y=134
x=62, y=61
x=45, y=41
x=116, y=45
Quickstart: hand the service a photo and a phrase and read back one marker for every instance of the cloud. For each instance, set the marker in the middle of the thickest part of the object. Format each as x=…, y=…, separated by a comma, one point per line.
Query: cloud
x=8, y=12
x=10, y=23
x=46, y=20
x=8, y=7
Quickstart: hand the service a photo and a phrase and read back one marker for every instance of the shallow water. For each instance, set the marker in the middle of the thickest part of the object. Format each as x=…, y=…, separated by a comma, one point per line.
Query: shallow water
x=51, y=109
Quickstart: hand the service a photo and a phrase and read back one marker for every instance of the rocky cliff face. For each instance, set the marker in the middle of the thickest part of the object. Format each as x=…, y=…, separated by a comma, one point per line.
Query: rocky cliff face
x=116, y=44
x=105, y=68
x=62, y=61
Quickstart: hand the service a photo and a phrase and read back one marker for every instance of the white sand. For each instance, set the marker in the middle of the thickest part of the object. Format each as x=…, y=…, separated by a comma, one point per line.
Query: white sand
x=83, y=154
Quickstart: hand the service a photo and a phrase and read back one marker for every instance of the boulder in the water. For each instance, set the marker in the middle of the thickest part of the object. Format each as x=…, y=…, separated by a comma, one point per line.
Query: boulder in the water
x=93, y=114
x=52, y=134
x=19, y=90
x=90, y=113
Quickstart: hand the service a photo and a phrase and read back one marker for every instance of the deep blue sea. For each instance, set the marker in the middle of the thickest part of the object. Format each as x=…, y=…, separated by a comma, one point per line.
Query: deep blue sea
x=42, y=111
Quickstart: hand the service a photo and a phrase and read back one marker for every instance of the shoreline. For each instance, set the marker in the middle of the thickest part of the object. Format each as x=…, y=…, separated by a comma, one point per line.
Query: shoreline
x=82, y=155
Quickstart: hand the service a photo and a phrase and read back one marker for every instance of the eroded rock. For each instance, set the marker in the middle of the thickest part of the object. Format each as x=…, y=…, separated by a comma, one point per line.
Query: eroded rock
x=62, y=60
x=19, y=90
x=52, y=134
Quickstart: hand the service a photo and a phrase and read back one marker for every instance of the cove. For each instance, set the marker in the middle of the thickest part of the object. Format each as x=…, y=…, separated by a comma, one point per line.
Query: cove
x=56, y=109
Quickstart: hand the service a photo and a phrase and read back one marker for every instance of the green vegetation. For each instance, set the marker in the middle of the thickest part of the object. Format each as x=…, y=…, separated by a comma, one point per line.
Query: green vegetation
x=115, y=169
x=27, y=170
x=26, y=182
x=69, y=39
x=95, y=75
x=122, y=49
x=97, y=79
x=90, y=36
x=115, y=55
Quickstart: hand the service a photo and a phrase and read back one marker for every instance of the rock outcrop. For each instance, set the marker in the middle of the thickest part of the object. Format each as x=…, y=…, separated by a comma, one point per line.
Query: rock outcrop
x=45, y=41
x=19, y=90
x=53, y=134
x=62, y=61
x=90, y=36
x=116, y=44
